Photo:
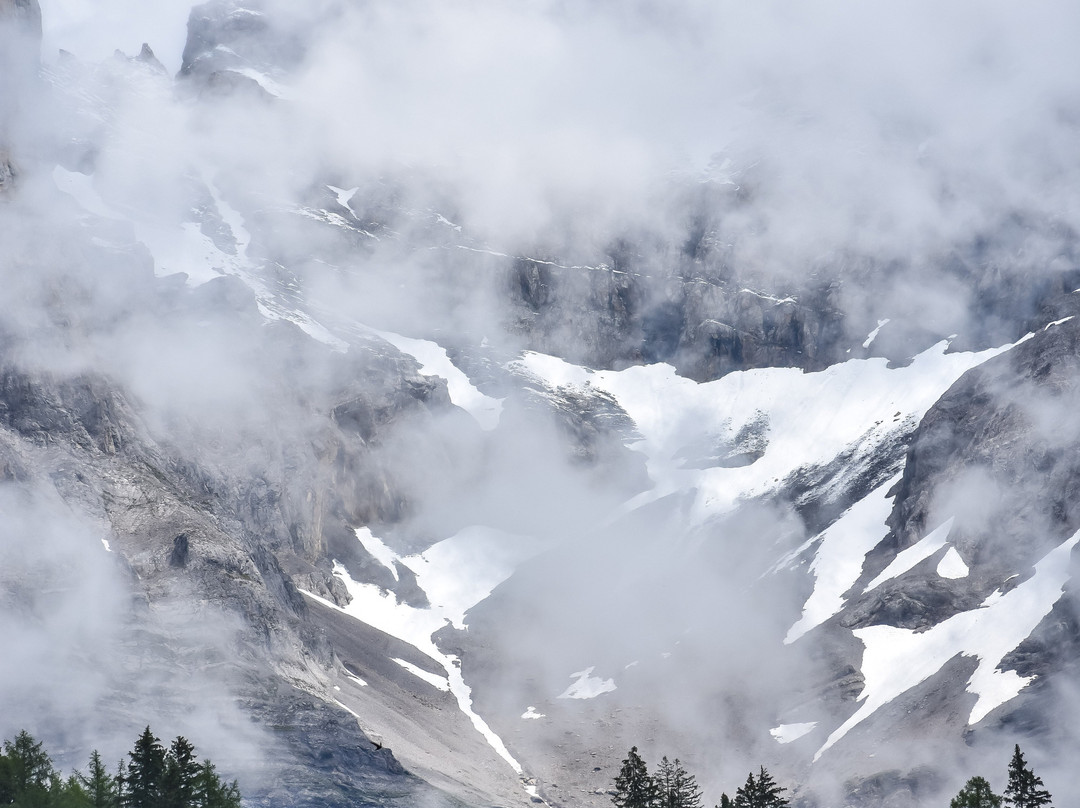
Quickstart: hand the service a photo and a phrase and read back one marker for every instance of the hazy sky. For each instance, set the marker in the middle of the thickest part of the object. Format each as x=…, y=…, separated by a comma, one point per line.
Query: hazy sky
x=93, y=30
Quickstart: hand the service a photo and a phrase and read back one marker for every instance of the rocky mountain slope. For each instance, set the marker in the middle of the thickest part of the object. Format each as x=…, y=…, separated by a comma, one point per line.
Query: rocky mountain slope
x=382, y=504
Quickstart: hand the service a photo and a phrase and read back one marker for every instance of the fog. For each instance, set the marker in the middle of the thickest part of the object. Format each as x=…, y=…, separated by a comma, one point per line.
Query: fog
x=912, y=156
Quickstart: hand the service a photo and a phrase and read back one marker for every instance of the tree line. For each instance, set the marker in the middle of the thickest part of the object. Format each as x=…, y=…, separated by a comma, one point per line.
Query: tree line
x=151, y=777
x=673, y=787
x=1024, y=789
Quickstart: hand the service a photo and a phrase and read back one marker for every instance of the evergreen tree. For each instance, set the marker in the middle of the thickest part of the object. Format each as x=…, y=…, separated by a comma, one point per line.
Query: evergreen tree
x=676, y=788
x=143, y=781
x=178, y=778
x=634, y=788
x=976, y=793
x=760, y=792
x=1025, y=788
x=102, y=789
x=746, y=794
x=725, y=801
x=769, y=793
x=28, y=772
x=209, y=792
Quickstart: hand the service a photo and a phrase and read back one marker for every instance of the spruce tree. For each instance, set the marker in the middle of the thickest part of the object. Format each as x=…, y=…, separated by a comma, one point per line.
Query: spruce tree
x=1024, y=789
x=769, y=793
x=143, y=780
x=178, y=777
x=976, y=793
x=746, y=794
x=760, y=792
x=634, y=788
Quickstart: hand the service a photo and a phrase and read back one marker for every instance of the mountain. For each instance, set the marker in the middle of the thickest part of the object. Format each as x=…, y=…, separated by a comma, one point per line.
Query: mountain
x=381, y=410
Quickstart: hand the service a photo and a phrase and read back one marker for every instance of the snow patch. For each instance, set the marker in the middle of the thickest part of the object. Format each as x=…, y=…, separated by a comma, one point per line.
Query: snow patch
x=105, y=544
x=344, y=197
x=809, y=418
x=788, y=733
x=839, y=558
x=434, y=361
x=896, y=659
x=913, y=555
x=531, y=714
x=378, y=550
x=433, y=679
x=1058, y=322
x=357, y=679
x=587, y=686
x=952, y=565
x=873, y=334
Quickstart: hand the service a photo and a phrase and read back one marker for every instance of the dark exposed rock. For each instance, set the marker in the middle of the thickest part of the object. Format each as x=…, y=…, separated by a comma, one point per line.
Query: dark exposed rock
x=179, y=555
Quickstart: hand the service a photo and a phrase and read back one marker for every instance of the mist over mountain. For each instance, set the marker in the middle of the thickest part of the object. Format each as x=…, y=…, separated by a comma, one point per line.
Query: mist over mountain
x=423, y=403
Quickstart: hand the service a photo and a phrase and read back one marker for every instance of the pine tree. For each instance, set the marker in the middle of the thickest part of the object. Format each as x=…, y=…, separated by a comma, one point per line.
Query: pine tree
x=634, y=788
x=976, y=793
x=725, y=801
x=102, y=789
x=143, y=781
x=1025, y=788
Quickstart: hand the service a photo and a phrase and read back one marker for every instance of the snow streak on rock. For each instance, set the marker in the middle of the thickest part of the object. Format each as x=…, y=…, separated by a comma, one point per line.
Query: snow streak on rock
x=896, y=659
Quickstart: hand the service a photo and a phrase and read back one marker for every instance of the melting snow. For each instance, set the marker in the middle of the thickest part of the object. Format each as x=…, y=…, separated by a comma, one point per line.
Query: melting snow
x=839, y=558
x=1057, y=322
x=433, y=679
x=456, y=574
x=952, y=565
x=908, y=558
x=587, y=686
x=354, y=678
x=532, y=714
x=896, y=660
x=105, y=544
x=344, y=197
x=811, y=417
x=434, y=361
x=873, y=334
x=787, y=733
x=378, y=550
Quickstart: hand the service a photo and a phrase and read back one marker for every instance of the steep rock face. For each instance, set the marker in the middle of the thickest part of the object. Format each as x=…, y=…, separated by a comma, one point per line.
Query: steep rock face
x=995, y=454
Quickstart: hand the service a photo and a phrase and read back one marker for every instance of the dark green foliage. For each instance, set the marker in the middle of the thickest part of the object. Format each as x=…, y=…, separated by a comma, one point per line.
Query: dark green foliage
x=760, y=792
x=1024, y=789
x=210, y=792
x=29, y=778
x=178, y=777
x=676, y=788
x=725, y=801
x=142, y=786
x=102, y=789
x=634, y=788
x=154, y=778
x=976, y=794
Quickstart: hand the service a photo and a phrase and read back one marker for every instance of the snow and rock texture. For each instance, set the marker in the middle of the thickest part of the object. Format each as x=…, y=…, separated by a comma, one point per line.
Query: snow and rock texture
x=379, y=509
